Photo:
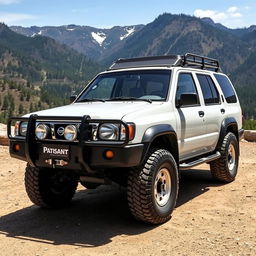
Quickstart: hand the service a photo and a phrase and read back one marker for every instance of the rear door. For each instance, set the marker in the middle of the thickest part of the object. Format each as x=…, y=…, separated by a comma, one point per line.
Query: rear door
x=214, y=110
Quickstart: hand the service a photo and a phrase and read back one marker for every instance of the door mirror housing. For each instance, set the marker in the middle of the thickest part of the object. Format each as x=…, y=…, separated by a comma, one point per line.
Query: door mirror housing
x=187, y=99
x=72, y=98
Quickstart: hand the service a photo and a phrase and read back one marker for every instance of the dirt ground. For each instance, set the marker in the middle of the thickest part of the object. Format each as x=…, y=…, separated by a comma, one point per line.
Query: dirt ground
x=210, y=218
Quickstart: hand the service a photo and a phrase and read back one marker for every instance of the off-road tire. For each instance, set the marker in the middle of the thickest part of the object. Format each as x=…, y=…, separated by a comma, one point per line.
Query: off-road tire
x=141, y=191
x=49, y=188
x=221, y=169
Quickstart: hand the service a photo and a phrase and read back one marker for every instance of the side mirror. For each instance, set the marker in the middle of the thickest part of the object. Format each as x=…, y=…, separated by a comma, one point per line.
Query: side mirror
x=72, y=98
x=187, y=99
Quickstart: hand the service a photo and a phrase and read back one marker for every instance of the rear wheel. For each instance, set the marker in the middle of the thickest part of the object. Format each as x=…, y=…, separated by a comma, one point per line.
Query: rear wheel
x=49, y=187
x=153, y=187
x=225, y=168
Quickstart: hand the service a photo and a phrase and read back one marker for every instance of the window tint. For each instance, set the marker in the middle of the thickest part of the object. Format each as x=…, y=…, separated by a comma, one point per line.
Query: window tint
x=186, y=85
x=226, y=88
x=210, y=93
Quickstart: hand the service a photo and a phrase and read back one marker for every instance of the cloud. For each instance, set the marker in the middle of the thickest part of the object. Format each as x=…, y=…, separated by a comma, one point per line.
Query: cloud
x=232, y=9
x=6, y=2
x=14, y=18
x=231, y=14
x=216, y=16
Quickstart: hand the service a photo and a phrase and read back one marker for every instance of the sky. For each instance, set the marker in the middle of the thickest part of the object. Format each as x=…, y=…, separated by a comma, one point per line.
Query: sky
x=109, y=13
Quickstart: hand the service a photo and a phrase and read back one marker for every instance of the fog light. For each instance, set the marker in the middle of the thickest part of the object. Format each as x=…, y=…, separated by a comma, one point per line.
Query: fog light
x=70, y=132
x=16, y=147
x=42, y=131
x=109, y=154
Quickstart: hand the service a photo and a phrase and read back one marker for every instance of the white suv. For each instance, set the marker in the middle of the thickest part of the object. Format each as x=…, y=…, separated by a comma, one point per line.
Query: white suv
x=137, y=124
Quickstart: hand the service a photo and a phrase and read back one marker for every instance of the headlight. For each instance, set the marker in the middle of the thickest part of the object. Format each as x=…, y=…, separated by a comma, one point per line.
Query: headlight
x=70, y=132
x=42, y=131
x=109, y=132
x=23, y=128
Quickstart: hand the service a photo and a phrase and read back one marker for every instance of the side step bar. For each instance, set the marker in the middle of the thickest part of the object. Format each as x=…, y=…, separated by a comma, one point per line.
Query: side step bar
x=189, y=165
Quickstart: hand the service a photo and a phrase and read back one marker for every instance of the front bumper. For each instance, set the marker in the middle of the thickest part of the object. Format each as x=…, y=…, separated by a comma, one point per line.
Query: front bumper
x=84, y=155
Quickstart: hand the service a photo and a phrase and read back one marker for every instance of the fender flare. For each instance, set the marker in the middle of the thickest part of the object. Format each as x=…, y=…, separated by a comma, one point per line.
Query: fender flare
x=227, y=122
x=155, y=131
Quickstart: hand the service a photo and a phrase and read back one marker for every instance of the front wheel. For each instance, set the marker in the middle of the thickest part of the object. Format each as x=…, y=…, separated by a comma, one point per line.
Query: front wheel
x=153, y=188
x=50, y=188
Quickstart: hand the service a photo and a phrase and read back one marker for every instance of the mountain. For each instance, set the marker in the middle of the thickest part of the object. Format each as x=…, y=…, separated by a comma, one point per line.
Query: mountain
x=42, y=56
x=92, y=42
x=168, y=34
x=38, y=72
x=178, y=34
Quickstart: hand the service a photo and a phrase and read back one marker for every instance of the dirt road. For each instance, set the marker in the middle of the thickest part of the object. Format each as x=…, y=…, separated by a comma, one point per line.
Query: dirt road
x=210, y=218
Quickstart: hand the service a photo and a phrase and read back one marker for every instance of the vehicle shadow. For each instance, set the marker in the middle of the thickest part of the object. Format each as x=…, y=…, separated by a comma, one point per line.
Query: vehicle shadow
x=94, y=217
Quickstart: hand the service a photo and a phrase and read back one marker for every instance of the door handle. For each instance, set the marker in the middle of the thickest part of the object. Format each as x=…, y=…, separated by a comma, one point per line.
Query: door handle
x=201, y=113
x=222, y=111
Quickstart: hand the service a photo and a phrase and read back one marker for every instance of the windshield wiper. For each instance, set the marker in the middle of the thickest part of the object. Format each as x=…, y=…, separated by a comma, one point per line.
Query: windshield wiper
x=130, y=98
x=93, y=99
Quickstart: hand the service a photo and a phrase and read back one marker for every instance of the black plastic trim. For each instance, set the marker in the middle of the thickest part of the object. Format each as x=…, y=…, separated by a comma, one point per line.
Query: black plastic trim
x=229, y=121
x=155, y=131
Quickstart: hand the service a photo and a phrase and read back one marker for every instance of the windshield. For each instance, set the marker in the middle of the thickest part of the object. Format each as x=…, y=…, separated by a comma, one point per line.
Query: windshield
x=148, y=85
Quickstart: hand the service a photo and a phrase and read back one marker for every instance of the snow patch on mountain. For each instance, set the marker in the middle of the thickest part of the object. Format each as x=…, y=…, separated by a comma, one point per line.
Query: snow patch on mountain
x=129, y=31
x=99, y=37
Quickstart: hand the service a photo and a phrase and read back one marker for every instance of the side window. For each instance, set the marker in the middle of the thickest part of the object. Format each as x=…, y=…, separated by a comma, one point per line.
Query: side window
x=210, y=93
x=226, y=88
x=186, y=85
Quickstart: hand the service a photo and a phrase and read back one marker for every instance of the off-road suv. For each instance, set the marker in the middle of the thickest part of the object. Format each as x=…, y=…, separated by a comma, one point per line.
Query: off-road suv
x=138, y=124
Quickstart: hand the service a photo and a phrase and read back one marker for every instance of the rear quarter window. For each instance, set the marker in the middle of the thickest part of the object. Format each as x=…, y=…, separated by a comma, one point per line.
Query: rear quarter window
x=226, y=88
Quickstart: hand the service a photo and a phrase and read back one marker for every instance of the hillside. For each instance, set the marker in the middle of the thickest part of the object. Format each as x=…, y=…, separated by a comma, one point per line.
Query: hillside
x=38, y=72
x=40, y=58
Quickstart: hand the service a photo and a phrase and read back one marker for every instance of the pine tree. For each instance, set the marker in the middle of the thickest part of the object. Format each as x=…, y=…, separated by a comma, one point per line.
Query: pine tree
x=21, y=109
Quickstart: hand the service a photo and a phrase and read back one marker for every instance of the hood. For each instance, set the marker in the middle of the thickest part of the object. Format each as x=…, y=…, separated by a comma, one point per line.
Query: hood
x=98, y=110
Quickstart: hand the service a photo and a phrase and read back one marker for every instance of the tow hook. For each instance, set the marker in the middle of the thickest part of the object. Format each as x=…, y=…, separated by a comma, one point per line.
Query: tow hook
x=54, y=162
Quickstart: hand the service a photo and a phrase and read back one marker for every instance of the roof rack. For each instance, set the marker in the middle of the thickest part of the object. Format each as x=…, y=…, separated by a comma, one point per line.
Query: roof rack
x=202, y=62
x=187, y=60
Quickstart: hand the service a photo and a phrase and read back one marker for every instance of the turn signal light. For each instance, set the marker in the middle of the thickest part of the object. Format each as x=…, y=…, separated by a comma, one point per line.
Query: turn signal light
x=131, y=131
x=16, y=147
x=109, y=154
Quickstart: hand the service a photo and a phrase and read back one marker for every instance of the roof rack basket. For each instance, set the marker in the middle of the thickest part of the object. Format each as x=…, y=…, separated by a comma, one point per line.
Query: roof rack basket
x=187, y=60
x=197, y=61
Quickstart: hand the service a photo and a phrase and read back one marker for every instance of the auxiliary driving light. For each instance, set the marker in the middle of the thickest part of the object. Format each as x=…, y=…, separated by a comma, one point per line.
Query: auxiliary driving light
x=70, y=132
x=42, y=131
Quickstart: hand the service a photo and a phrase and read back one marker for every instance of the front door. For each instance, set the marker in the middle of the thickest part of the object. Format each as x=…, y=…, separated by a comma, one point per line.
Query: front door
x=190, y=119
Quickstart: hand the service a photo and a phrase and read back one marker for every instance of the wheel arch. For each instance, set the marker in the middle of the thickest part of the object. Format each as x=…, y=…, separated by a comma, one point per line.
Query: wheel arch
x=161, y=136
x=228, y=125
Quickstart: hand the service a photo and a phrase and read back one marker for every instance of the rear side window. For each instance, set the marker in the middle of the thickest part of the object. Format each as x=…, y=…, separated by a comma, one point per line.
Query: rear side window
x=210, y=93
x=226, y=88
